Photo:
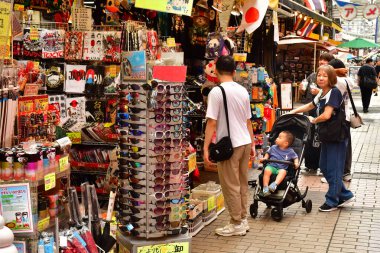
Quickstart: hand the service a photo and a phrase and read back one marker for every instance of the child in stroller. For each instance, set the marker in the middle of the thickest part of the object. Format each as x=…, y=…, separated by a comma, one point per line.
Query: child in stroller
x=281, y=152
x=287, y=192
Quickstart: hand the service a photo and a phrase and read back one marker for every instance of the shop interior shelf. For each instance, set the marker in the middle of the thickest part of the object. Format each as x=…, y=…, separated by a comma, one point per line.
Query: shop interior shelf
x=94, y=143
x=90, y=165
x=90, y=172
x=58, y=175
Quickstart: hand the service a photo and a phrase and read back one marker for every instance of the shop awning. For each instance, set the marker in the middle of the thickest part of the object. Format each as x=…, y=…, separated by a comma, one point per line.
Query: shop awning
x=304, y=10
x=289, y=40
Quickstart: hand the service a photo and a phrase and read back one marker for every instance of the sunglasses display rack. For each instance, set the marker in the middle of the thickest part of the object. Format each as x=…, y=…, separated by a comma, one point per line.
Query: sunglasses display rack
x=153, y=179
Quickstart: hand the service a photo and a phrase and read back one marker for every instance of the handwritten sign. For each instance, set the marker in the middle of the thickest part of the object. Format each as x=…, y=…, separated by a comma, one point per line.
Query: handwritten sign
x=43, y=224
x=192, y=162
x=211, y=203
x=170, y=42
x=75, y=137
x=81, y=18
x=63, y=163
x=49, y=181
x=31, y=89
x=176, y=247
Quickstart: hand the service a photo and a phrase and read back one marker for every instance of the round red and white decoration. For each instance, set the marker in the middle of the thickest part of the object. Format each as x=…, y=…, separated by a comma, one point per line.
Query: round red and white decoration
x=371, y=11
x=348, y=12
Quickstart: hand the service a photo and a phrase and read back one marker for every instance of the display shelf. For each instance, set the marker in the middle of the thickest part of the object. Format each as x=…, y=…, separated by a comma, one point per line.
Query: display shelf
x=93, y=143
x=63, y=219
x=90, y=172
x=90, y=165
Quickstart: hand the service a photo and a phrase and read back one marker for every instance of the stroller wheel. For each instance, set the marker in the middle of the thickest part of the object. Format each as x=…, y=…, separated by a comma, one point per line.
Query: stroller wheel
x=277, y=214
x=308, y=206
x=253, y=209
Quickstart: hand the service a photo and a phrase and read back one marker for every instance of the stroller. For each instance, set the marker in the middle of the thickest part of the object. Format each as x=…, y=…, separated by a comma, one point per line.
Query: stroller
x=287, y=192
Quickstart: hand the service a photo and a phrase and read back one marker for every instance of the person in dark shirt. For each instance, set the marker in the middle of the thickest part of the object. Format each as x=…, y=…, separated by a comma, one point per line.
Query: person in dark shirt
x=377, y=68
x=368, y=71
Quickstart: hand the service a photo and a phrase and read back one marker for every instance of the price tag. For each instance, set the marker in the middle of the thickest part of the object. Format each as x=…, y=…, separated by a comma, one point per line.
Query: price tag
x=108, y=124
x=43, y=224
x=240, y=57
x=175, y=247
x=34, y=34
x=170, y=42
x=62, y=241
x=210, y=203
x=75, y=137
x=31, y=89
x=19, y=7
x=63, y=163
x=192, y=162
x=113, y=71
x=49, y=181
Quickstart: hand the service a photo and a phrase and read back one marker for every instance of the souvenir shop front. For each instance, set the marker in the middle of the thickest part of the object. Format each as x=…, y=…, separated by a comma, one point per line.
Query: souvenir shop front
x=102, y=119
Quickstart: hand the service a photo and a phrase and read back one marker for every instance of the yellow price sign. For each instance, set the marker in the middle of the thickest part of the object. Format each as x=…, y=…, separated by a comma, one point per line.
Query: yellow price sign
x=240, y=57
x=175, y=247
x=211, y=203
x=49, y=181
x=34, y=34
x=75, y=137
x=192, y=162
x=63, y=163
x=43, y=224
x=170, y=42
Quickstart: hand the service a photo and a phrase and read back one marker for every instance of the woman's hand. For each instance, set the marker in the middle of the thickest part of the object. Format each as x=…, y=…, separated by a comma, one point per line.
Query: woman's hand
x=311, y=119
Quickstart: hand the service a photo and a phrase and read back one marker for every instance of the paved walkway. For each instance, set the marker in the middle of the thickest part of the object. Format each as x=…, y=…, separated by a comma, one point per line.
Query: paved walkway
x=355, y=228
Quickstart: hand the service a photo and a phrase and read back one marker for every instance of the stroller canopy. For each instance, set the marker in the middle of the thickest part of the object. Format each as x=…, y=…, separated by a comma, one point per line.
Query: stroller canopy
x=298, y=125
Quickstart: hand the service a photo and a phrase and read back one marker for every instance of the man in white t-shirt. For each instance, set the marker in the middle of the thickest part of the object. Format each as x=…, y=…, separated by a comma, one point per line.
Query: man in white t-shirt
x=233, y=173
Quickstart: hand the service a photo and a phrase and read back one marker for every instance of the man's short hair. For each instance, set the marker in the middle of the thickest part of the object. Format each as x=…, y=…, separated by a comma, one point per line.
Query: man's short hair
x=327, y=57
x=289, y=137
x=225, y=65
x=369, y=60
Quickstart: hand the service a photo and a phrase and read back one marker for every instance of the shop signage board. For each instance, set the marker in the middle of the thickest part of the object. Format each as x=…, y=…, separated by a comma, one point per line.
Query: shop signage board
x=348, y=12
x=176, y=247
x=371, y=11
x=16, y=208
x=180, y=7
x=286, y=96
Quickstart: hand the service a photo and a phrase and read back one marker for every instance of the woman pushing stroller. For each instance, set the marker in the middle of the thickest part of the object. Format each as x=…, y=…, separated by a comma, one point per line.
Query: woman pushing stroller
x=333, y=153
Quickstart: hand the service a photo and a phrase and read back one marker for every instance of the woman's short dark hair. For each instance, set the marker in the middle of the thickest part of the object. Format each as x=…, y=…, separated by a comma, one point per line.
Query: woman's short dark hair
x=225, y=65
x=369, y=60
x=326, y=57
x=330, y=71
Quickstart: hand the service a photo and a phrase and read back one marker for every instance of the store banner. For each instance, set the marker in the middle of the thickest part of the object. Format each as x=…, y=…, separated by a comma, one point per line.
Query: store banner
x=181, y=7
x=16, y=208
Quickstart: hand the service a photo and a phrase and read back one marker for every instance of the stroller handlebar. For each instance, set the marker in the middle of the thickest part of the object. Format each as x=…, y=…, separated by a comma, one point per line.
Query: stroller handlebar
x=278, y=161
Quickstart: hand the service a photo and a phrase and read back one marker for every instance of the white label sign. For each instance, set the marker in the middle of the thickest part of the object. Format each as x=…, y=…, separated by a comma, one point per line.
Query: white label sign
x=348, y=12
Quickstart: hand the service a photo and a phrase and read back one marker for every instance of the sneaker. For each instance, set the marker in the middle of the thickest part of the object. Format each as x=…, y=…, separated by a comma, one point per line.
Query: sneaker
x=345, y=202
x=347, y=177
x=245, y=224
x=327, y=208
x=273, y=187
x=323, y=180
x=265, y=192
x=231, y=229
x=376, y=94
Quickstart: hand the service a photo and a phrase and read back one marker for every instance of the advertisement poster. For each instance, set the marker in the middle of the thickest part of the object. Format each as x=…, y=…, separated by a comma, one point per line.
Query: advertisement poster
x=181, y=7
x=286, y=96
x=20, y=246
x=134, y=65
x=15, y=207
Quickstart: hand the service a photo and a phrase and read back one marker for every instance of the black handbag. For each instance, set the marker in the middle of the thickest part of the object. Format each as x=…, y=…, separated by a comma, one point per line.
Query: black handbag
x=222, y=150
x=369, y=82
x=335, y=129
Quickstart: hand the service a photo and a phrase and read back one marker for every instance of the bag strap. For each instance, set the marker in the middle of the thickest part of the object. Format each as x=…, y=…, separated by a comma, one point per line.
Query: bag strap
x=352, y=101
x=225, y=108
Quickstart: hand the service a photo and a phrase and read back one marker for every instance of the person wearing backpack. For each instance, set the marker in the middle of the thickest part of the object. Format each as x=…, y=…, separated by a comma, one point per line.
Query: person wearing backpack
x=367, y=82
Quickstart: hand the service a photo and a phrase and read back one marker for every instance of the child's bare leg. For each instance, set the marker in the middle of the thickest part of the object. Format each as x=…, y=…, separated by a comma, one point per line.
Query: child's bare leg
x=280, y=176
x=266, y=177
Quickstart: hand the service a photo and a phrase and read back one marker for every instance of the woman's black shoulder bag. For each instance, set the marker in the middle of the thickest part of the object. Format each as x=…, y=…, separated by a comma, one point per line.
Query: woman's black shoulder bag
x=335, y=129
x=222, y=150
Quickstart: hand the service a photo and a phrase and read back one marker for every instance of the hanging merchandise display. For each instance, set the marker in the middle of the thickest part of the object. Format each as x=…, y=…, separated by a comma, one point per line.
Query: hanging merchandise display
x=153, y=183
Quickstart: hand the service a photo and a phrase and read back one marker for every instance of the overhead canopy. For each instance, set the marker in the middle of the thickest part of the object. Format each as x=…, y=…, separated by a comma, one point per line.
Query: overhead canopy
x=291, y=39
x=359, y=43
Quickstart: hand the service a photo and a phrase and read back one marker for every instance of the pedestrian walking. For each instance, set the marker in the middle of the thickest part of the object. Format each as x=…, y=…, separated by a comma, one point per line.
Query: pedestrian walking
x=343, y=81
x=367, y=82
x=233, y=173
x=333, y=154
x=312, y=149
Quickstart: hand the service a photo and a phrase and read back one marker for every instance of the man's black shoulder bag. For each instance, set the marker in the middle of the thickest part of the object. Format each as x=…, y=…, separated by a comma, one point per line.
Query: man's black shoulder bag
x=222, y=150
